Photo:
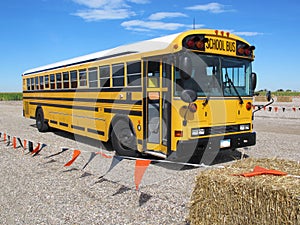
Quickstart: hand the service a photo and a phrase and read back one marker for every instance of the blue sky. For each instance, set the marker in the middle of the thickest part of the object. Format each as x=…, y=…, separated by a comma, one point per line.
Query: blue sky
x=39, y=32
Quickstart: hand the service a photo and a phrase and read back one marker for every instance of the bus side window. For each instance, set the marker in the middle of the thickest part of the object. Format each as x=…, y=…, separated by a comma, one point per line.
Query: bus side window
x=93, y=77
x=153, y=74
x=37, y=83
x=41, y=82
x=134, y=74
x=28, y=83
x=74, y=83
x=82, y=78
x=104, y=76
x=58, y=80
x=118, y=75
x=47, y=81
x=52, y=81
x=66, y=79
x=32, y=83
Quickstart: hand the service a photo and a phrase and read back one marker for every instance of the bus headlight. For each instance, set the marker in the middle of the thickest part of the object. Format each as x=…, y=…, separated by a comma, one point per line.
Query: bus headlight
x=197, y=132
x=244, y=127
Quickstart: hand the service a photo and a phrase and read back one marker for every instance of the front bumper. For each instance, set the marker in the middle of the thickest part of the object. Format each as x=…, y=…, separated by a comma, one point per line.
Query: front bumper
x=191, y=147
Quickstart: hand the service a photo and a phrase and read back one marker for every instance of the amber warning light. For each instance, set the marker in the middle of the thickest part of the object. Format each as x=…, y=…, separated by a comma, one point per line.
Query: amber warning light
x=220, y=43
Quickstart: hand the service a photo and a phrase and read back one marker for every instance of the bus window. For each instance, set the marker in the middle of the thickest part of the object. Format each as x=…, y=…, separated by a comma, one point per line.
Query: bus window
x=93, y=77
x=82, y=78
x=28, y=83
x=52, y=81
x=41, y=82
x=66, y=79
x=74, y=79
x=153, y=74
x=104, y=76
x=58, y=80
x=134, y=74
x=37, y=83
x=118, y=75
x=32, y=83
x=47, y=81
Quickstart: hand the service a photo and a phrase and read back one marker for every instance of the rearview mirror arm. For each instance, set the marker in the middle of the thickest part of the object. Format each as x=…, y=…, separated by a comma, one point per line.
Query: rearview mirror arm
x=259, y=108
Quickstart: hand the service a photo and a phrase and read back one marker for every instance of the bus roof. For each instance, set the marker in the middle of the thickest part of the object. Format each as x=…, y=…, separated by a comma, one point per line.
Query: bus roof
x=135, y=48
x=139, y=47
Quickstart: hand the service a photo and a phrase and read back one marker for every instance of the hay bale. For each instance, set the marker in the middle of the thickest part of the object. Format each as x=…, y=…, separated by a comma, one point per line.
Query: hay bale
x=284, y=99
x=220, y=198
x=260, y=99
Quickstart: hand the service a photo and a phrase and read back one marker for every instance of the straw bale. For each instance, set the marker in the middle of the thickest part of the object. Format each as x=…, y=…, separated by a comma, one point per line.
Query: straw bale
x=260, y=99
x=221, y=198
x=284, y=99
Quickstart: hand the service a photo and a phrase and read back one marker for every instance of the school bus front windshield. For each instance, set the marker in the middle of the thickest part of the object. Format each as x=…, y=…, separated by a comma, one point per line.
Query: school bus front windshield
x=211, y=75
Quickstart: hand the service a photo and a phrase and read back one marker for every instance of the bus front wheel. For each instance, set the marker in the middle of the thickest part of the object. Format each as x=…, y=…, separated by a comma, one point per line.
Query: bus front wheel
x=41, y=124
x=124, y=139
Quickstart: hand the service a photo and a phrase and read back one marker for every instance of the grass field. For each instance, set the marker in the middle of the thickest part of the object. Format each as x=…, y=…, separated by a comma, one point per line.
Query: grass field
x=280, y=93
x=11, y=96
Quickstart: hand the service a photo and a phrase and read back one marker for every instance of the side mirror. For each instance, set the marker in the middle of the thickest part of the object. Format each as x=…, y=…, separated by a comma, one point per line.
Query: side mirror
x=188, y=96
x=269, y=96
x=253, y=81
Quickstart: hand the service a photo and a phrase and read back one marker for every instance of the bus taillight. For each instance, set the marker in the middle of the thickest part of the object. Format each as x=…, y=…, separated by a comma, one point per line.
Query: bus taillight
x=193, y=107
x=178, y=133
x=248, y=106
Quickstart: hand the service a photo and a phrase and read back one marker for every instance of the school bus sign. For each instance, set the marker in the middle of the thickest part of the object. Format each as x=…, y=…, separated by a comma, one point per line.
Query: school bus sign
x=220, y=46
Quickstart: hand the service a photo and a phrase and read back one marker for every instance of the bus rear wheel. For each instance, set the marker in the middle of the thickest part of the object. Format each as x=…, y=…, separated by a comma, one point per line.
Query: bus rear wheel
x=124, y=139
x=41, y=124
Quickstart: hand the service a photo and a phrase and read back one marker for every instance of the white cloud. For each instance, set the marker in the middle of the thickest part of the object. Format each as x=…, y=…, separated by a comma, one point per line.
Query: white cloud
x=247, y=33
x=139, y=1
x=96, y=4
x=100, y=3
x=150, y=25
x=105, y=9
x=140, y=25
x=210, y=7
x=108, y=14
x=163, y=15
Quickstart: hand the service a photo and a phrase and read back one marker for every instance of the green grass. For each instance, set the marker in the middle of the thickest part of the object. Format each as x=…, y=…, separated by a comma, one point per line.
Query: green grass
x=11, y=96
x=280, y=93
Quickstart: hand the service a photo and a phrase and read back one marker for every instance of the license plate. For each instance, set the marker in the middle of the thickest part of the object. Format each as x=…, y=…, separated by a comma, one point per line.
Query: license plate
x=225, y=143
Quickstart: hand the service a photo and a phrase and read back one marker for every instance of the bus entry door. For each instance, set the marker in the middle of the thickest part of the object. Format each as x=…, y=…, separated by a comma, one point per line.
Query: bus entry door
x=157, y=108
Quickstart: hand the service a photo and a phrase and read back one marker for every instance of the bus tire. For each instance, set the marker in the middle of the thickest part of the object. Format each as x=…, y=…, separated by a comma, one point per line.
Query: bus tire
x=123, y=138
x=41, y=124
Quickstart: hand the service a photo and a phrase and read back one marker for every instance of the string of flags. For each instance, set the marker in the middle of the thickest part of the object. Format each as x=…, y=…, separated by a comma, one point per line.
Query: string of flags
x=277, y=108
x=34, y=149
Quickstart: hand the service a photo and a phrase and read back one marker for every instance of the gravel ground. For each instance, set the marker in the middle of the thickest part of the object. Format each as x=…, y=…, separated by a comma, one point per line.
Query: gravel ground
x=40, y=190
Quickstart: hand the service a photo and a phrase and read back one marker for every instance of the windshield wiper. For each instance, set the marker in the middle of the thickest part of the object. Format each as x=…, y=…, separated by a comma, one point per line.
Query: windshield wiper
x=229, y=81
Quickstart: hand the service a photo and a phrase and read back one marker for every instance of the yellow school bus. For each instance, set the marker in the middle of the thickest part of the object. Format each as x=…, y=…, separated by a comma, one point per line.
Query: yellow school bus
x=175, y=95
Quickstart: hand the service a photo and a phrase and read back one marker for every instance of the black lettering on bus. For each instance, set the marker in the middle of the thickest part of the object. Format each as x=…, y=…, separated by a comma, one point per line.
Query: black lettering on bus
x=230, y=46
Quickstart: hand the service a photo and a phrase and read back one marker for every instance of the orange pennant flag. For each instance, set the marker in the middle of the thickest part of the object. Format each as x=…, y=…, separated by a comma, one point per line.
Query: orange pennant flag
x=36, y=148
x=76, y=153
x=140, y=168
x=25, y=144
x=14, y=142
x=263, y=171
x=4, y=137
x=104, y=155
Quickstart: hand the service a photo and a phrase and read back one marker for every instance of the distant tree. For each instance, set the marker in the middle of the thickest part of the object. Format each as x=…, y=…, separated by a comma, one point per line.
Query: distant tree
x=280, y=90
x=288, y=90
